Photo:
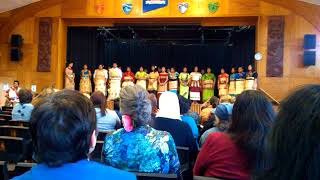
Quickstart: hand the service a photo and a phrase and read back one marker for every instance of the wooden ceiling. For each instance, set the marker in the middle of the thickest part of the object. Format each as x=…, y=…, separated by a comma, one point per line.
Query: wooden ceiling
x=7, y=5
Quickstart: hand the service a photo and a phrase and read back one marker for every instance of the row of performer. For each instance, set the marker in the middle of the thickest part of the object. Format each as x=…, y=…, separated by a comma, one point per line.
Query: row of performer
x=194, y=85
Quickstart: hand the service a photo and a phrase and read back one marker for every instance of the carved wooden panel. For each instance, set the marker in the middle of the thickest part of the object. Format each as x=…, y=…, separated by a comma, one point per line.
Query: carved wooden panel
x=275, y=46
x=44, y=45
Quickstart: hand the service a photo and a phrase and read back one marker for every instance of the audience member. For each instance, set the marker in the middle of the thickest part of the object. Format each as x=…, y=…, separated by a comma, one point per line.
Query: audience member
x=221, y=122
x=168, y=119
x=294, y=139
x=106, y=119
x=154, y=105
x=46, y=92
x=22, y=110
x=184, y=108
x=138, y=147
x=116, y=107
x=207, y=107
x=63, y=129
x=241, y=151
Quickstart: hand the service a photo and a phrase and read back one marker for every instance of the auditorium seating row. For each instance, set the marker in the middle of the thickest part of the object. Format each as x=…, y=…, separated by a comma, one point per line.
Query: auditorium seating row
x=16, y=151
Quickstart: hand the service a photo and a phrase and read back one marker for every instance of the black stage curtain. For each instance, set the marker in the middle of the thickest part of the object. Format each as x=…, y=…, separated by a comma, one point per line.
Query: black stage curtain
x=86, y=47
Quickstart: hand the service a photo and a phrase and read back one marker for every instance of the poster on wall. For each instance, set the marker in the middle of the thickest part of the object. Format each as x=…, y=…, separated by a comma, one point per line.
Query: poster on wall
x=149, y=5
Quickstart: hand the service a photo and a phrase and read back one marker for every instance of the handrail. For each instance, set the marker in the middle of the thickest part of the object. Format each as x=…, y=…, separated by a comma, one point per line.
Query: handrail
x=269, y=96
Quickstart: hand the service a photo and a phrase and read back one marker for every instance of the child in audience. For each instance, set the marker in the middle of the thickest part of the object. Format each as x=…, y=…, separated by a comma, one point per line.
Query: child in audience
x=138, y=147
x=63, y=130
x=184, y=108
x=241, y=151
x=22, y=110
x=294, y=139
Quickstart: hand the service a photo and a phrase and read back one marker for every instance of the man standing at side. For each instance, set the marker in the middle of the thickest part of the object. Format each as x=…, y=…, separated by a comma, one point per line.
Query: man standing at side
x=12, y=94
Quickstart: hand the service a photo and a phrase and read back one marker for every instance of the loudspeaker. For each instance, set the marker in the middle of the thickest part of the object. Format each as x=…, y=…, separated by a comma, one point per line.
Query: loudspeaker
x=309, y=58
x=15, y=54
x=16, y=40
x=309, y=41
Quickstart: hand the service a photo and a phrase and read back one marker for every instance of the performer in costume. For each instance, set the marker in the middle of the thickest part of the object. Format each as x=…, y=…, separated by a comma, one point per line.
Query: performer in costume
x=232, y=84
x=251, y=79
x=223, y=80
x=85, y=81
x=163, y=81
x=208, y=83
x=12, y=94
x=195, y=85
x=115, y=75
x=69, y=77
x=100, y=77
x=141, y=77
x=173, y=80
x=240, y=81
x=128, y=78
x=153, y=80
x=184, y=79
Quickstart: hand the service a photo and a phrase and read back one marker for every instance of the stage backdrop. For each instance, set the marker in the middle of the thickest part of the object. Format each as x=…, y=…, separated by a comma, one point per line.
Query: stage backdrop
x=86, y=47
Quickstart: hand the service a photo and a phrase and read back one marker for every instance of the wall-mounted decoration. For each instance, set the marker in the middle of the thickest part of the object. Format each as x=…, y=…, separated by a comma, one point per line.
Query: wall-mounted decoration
x=149, y=5
x=213, y=6
x=183, y=7
x=99, y=6
x=44, y=44
x=275, y=46
x=127, y=7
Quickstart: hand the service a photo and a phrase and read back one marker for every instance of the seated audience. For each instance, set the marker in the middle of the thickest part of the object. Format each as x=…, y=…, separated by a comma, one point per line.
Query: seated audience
x=207, y=107
x=168, y=119
x=294, y=139
x=116, y=107
x=154, y=105
x=138, y=147
x=241, y=151
x=184, y=108
x=63, y=129
x=106, y=119
x=22, y=110
x=46, y=92
x=221, y=122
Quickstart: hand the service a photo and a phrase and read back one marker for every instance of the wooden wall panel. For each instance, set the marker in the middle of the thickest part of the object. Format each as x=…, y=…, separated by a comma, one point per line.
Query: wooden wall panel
x=275, y=46
x=44, y=44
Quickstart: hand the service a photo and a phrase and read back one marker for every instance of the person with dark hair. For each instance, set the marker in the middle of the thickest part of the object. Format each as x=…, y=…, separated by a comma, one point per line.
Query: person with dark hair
x=241, y=151
x=63, y=130
x=294, y=139
x=184, y=83
x=221, y=120
x=141, y=77
x=208, y=83
x=69, y=77
x=12, y=94
x=100, y=78
x=169, y=119
x=184, y=109
x=207, y=107
x=195, y=85
x=128, y=78
x=85, y=80
x=173, y=80
x=115, y=75
x=153, y=80
x=106, y=119
x=23, y=109
x=138, y=147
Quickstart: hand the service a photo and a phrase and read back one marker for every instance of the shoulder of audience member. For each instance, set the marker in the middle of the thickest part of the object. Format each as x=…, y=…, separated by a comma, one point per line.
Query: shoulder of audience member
x=112, y=173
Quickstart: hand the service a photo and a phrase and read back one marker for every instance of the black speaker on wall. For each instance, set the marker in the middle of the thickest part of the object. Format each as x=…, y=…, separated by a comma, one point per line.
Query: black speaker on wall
x=15, y=54
x=309, y=41
x=16, y=40
x=309, y=58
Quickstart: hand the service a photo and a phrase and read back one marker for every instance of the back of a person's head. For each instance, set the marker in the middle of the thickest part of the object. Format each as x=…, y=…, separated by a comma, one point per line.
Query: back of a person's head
x=169, y=106
x=214, y=101
x=61, y=126
x=295, y=138
x=99, y=100
x=252, y=119
x=222, y=112
x=135, y=103
x=184, y=104
x=25, y=96
x=154, y=102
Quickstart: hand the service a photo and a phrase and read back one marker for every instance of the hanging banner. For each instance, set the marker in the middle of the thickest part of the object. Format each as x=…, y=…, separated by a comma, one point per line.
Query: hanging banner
x=149, y=5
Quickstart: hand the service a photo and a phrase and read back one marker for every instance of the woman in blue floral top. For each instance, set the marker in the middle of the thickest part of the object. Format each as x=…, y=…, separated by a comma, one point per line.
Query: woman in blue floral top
x=138, y=147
